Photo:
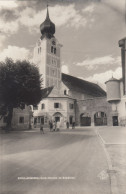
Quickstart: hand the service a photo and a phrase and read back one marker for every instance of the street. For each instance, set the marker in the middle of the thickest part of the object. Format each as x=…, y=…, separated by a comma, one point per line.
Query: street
x=65, y=162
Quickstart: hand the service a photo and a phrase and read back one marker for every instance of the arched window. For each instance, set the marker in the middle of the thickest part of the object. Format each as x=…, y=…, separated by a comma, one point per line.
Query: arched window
x=51, y=49
x=65, y=92
x=43, y=106
x=54, y=50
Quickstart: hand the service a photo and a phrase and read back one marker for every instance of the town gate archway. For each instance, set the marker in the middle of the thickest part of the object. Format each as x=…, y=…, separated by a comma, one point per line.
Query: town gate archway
x=100, y=118
x=85, y=119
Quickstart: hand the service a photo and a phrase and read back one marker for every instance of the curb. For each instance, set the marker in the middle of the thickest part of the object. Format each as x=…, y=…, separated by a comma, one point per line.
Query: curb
x=111, y=170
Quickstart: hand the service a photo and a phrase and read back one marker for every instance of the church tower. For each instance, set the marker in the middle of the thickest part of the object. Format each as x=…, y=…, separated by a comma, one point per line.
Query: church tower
x=47, y=56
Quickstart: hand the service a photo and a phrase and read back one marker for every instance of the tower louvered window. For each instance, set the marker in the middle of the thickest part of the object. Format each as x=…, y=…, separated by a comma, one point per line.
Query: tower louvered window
x=54, y=50
x=51, y=49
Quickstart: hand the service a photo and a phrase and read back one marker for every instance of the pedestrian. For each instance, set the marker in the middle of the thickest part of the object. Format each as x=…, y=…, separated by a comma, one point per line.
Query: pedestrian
x=73, y=125
x=54, y=126
x=67, y=125
x=50, y=125
x=58, y=126
x=41, y=128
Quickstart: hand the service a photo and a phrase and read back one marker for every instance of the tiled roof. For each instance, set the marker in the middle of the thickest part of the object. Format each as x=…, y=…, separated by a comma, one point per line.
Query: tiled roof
x=82, y=86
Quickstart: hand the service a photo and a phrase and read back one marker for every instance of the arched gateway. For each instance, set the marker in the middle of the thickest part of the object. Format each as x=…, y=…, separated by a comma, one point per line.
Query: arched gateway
x=100, y=118
x=85, y=120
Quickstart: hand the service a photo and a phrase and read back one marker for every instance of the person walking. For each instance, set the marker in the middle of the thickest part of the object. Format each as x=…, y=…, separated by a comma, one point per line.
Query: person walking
x=58, y=126
x=54, y=126
x=41, y=128
x=67, y=125
x=73, y=125
x=50, y=125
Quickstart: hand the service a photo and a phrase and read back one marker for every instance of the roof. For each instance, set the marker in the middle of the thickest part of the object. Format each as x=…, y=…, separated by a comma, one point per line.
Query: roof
x=47, y=27
x=82, y=86
x=121, y=42
x=112, y=79
x=46, y=92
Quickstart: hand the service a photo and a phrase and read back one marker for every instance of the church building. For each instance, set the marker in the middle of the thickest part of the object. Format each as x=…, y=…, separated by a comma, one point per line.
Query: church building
x=71, y=99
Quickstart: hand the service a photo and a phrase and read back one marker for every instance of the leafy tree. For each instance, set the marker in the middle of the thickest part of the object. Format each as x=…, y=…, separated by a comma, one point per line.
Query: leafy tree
x=20, y=83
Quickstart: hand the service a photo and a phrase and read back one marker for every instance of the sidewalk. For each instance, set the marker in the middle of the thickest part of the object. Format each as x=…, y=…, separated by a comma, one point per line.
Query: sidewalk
x=114, y=141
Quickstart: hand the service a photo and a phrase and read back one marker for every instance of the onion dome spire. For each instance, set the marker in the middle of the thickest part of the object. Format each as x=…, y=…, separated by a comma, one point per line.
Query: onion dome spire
x=47, y=28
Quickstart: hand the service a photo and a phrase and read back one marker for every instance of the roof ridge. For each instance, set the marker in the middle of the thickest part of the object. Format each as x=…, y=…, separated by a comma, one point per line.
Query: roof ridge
x=81, y=79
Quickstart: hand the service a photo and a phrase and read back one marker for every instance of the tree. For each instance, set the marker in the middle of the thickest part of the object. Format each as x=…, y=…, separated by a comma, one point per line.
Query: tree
x=20, y=84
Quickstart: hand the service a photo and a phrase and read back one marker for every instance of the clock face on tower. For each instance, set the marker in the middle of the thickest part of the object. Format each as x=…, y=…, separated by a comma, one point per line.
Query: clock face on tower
x=53, y=42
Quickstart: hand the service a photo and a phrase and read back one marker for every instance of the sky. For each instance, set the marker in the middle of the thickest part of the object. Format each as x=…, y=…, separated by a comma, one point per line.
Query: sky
x=89, y=31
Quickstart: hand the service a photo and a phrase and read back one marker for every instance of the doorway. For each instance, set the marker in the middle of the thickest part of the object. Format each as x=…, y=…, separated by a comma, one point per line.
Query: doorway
x=115, y=120
x=57, y=119
x=71, y=120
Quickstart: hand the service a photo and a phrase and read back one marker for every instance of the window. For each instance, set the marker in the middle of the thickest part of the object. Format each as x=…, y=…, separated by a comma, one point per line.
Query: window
x=21, y=119
x=51, y=49
x=43, y=106
x=71, y=106
x=42, y=119
x=65, y=92
x=35, y=107
x=56, y=105
x=54, y=50
x=71, y=120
